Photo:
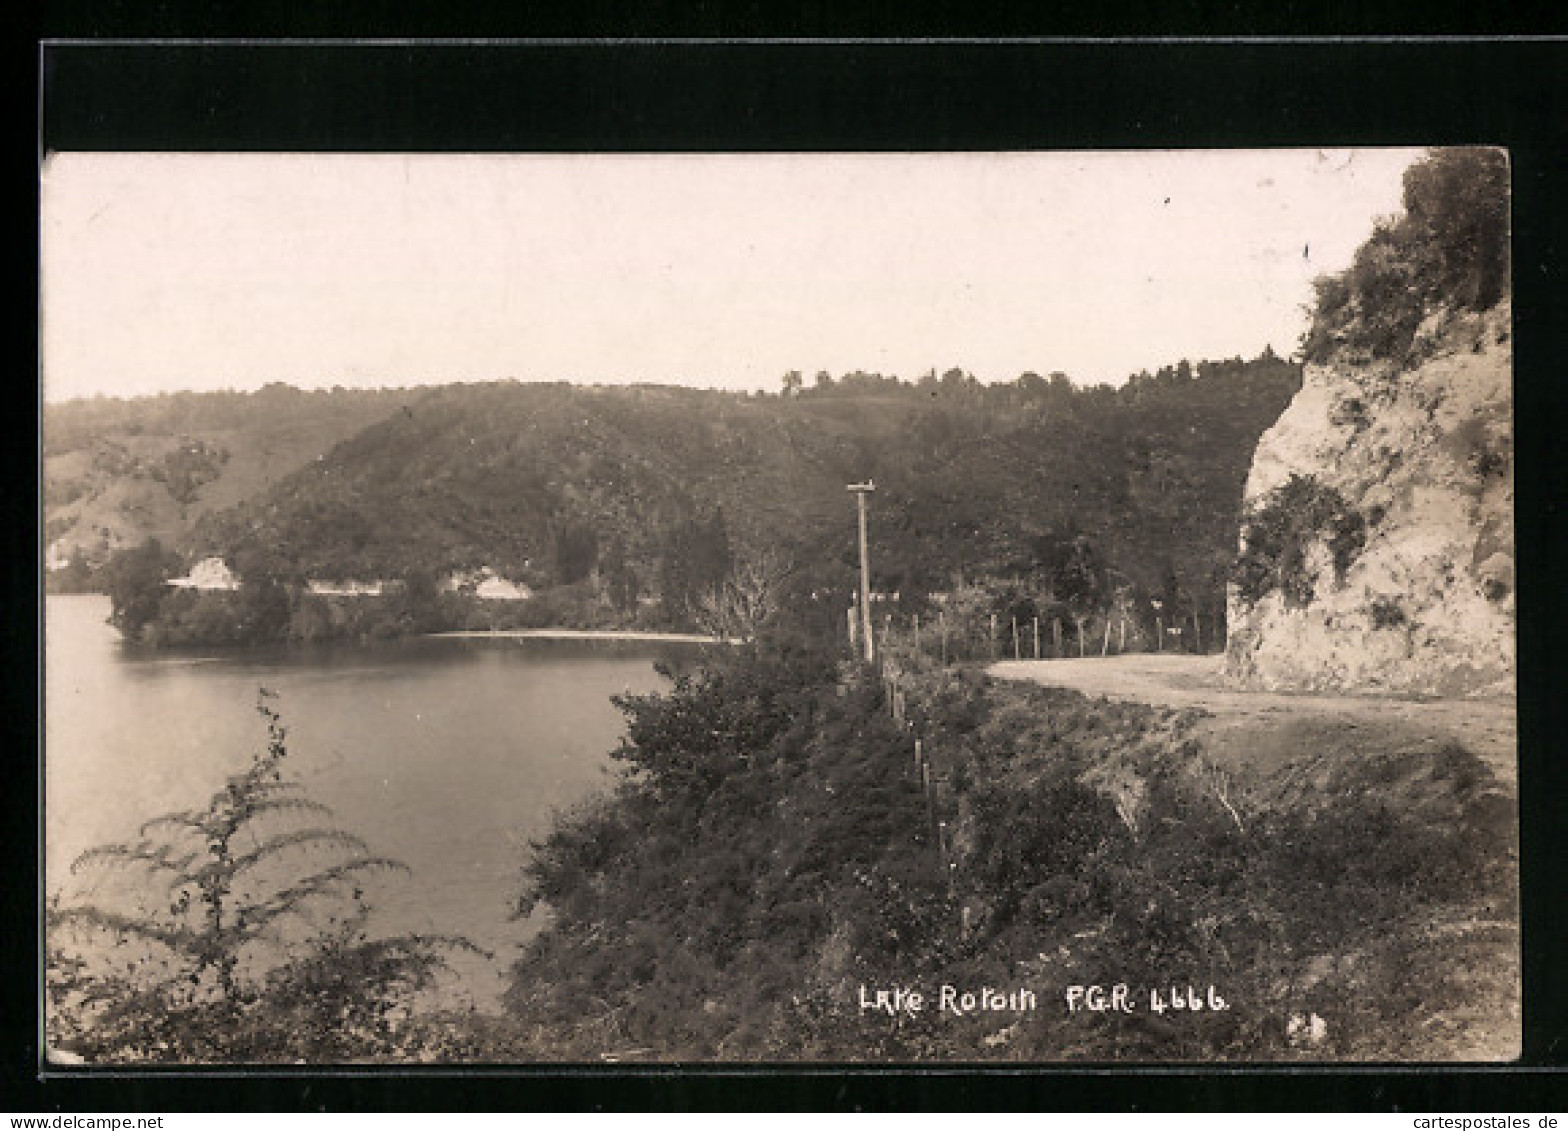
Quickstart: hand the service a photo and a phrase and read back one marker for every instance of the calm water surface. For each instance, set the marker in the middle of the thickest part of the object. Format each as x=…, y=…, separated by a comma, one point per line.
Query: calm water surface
x=449, y=755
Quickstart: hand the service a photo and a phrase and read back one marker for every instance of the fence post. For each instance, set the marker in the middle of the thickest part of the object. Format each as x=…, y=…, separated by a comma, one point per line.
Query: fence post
x=1037, y=638
x=1015, y=639
x=993, y=636
x=1056, y=636
x=936, y=834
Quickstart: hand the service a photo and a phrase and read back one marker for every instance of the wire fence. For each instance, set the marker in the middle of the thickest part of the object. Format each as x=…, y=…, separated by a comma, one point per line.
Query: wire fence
x=944, y=639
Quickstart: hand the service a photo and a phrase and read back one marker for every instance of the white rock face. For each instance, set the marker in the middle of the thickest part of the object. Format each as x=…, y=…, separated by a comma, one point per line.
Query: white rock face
x=1425, y=456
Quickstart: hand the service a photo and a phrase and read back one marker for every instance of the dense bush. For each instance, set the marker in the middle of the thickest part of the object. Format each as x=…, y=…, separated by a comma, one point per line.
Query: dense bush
x=1448, y=249
x=134, y=580
x=770, y=851
x=188, y=467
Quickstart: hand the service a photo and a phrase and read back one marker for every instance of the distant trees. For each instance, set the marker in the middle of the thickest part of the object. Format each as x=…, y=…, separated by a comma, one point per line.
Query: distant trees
x=619, y=578
x=77, y=576
x=695, y=559
x=134, y=580
x=576, y=549
x=631, y=503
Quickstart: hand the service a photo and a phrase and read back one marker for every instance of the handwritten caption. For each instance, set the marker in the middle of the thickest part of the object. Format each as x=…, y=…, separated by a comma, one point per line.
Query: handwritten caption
x=1118, y=997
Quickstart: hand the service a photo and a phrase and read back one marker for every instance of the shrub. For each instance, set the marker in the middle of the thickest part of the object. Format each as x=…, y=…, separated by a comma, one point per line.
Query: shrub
x=233, y=940
x=1448, y=249
x=1278, y=533
x=1387, y=612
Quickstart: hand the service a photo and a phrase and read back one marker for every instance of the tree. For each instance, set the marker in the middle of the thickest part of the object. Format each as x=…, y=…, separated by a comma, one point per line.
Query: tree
x=1457, y=199
x=620, y=581
x=746, y=601
x=134, y=580
x=239, y=935
x=576, y=547
x=1031, y=384
x=793, y=382
x=696, y=559
x=263, y=609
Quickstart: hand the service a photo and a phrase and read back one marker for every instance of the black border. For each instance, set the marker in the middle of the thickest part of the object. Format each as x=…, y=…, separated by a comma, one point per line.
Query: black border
x=680, y=95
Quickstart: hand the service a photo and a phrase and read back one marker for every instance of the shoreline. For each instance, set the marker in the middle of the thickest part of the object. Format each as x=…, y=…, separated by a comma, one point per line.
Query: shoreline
x=581, y=634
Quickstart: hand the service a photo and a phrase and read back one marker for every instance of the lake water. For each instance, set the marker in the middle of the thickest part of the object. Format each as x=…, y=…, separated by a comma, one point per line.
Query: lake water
x=449, y=755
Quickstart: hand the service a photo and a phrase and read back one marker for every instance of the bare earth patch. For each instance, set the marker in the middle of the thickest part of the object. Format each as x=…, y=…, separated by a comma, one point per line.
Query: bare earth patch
x=1486, y=726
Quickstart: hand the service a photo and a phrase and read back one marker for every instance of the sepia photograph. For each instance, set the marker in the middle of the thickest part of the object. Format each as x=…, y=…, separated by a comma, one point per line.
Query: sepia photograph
x=1026, y=608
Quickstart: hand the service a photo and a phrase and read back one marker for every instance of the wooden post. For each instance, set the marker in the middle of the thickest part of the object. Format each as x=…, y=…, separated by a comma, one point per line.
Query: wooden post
x=852, y=614
x=1056, y=637
x=1159, y=634
x=1105, y=645
x=1197, y=629
x=1037, y=638
x=861, y=490
x=917, y=634
x=1121, y=635
x=993, y=636
x=920, y=760
x=925, y=784
x=1016, y=656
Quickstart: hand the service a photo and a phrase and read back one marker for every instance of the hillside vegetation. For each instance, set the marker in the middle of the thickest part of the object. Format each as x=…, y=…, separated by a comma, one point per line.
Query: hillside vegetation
x=625, y=506
x=117, y=471
x=771, y=858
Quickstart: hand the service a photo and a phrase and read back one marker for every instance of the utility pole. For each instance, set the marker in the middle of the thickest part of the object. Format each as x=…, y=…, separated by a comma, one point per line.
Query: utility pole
x=861, y=490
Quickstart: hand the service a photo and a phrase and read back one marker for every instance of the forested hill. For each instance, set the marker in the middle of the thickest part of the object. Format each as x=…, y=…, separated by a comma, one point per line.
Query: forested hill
x=654, y=492
x=117, y=471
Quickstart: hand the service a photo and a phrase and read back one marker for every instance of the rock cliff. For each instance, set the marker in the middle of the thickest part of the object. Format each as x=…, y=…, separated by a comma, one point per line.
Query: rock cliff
x=1377, y=550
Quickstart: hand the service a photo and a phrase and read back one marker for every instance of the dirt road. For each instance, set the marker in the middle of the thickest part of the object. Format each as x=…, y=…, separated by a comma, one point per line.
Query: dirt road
x=1258, y=726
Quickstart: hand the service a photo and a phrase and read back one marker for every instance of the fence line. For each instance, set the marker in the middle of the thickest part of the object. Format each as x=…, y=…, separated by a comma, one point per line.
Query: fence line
x=990, y=637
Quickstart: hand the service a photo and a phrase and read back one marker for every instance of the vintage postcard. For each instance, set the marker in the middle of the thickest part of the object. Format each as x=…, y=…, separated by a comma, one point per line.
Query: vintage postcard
x=1032, y=608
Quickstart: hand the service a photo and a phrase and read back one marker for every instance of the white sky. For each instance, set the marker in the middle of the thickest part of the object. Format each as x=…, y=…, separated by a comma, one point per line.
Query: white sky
x=186, y=271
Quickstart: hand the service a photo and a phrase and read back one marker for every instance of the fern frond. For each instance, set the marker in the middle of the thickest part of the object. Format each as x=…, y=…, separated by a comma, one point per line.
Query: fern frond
x=287, y=805
x=322, y=883
x=287, y=840
x=174, y=937
x=160, y=856
x=189, y=820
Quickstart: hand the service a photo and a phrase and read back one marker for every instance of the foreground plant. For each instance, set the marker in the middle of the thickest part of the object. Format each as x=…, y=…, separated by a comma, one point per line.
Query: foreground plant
x=236, y=932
